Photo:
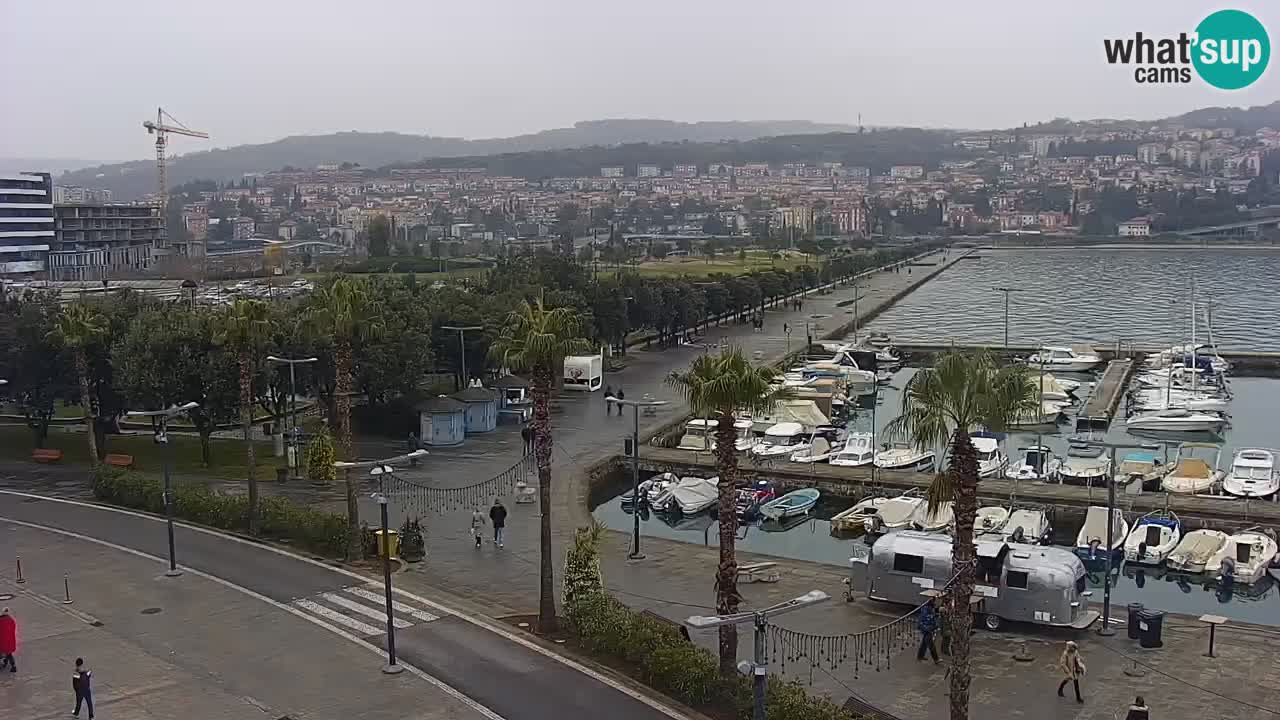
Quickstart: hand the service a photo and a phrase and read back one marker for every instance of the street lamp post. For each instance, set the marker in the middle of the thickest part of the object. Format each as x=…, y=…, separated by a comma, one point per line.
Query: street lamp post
x=758, y=668
x=162, y=437
x=462, y=346
x=635, y=405
x=1007, y=292
x=1111, y=513
x=293, y=404
x=392, y=667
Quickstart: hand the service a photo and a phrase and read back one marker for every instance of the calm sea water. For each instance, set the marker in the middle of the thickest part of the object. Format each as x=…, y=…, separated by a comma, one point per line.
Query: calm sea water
x=1096, y=295
x=1253, y=412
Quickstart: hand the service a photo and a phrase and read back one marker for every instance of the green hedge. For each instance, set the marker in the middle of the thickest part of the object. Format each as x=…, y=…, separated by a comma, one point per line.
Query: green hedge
x=320, y=532
x=670, y=664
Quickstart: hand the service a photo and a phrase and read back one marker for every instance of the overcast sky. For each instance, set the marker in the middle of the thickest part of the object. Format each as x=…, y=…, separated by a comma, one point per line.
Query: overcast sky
x=81, y=75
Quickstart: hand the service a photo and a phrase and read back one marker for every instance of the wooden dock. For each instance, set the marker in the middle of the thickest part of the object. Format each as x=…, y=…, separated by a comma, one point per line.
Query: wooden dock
x=1103, y=402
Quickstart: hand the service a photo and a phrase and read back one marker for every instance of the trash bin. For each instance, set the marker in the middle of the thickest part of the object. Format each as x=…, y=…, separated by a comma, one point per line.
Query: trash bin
x=1135, y=609
x=392, y=539
x=1150, y=624
x=282, y=474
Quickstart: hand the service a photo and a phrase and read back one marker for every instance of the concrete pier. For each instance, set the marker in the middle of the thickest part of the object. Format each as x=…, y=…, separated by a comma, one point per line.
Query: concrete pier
x=1102, y=403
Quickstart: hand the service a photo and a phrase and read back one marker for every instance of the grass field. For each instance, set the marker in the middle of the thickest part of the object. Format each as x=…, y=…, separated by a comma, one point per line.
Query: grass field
x=729, y=264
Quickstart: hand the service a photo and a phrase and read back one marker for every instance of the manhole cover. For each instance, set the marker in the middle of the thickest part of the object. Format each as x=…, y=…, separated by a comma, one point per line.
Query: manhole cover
x=152, y=611
x=5, y=596
x=818, y=316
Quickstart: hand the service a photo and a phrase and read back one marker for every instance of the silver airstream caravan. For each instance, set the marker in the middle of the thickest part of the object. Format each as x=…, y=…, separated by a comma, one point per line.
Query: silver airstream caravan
x=1021, y=583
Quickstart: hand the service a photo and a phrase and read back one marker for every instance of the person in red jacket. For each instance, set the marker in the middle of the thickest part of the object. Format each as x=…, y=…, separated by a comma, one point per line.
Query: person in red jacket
x=8, y=641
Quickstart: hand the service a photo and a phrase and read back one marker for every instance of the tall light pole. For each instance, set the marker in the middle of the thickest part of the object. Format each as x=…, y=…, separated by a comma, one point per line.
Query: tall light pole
x=462, y=346
x=1111, y=513
x=635, y=405
x=293, y=403
x=856, y=317
x=377, y=471
x=1007, y=292
x=162, y=437
x=759, y=668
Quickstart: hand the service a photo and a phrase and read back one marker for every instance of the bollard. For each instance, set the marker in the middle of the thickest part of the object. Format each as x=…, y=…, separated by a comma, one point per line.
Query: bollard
x=21, y=579
x=66, y=589
x=1021, y=654
x=1134, y=671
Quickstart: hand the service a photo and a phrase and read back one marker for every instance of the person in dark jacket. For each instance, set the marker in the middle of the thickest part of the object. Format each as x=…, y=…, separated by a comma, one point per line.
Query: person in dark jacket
x=82, y=685
x=498, y=516
x=621, y=396
x=927, y=622
x=1138, y=710
x=526, y=434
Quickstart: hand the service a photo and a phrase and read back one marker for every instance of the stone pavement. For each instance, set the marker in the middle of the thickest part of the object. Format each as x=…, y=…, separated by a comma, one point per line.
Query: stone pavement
x=183, y=647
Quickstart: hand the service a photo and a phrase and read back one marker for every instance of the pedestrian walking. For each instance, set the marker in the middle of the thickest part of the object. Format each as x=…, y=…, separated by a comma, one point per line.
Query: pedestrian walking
x=621, y=396
x=526, y=434
x=1072, y=667
x=412, y=445
x=1138, y=710
x=81, y=683
x=928, y=625
x=8, y=641
x=498, y=516
x=608, y=400
x=477, y=522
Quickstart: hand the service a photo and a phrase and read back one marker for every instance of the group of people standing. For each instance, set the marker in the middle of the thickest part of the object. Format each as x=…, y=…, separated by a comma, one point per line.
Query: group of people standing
x=611, y=400
x=497, y=517
x=81, y=677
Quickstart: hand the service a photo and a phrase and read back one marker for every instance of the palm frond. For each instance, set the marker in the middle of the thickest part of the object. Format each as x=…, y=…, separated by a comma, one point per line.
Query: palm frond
x=942, y=490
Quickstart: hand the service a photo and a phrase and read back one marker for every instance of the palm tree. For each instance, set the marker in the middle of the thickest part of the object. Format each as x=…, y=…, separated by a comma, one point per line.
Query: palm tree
x=941, y=406
x=245, y=327
x=537, y=339
x=345, y=312
x=78, y=326
x=718, y=386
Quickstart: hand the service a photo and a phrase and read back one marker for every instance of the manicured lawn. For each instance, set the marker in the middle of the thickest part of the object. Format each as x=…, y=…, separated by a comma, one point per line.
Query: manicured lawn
x=729, y=264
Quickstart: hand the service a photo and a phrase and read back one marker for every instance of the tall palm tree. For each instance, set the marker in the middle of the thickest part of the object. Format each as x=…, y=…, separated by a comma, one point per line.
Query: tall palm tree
x=941, y=406
x=718, y=386
x=245, y=327
x=536, y=339
x=78, y=326
x=347, y=313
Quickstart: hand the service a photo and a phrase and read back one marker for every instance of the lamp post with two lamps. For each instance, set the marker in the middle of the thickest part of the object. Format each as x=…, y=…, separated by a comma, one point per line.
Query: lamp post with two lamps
x=635, y=553
x=162, y=438
x=295, y=461
x=462, y=346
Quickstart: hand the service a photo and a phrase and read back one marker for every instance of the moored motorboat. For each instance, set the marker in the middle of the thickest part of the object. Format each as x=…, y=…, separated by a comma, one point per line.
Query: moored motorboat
x=781, y=440
x=651, y=489
x=699, y=435
x=1175, y=420
x=854, y=519
x=1065, y=359
x=1195, y=550
x=1038, y=463
x=796, y=502
x=942, y=518
x=1191, y=473
x=693, y=495
x=1049, y=412
x=1085, y=465
x=749, y=499
x=1028, y=524
x=818, y=449
x=1048, y=387
x=857, y=451
x=895, y=513
x=991, y=458
x=1245, y=556
x=1091, y=541
x=1153, y=538
x=904, y=456
x=1253, y=474
x=1143, y=466
x=990, y=520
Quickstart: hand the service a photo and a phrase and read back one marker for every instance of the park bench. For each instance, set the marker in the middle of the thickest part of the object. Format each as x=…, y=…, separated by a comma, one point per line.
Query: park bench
x=118, y=460
x=46, y=455
x=759, y=572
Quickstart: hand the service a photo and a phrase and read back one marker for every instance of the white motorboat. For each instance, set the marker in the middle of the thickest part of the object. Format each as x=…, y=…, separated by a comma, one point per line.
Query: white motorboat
x=990, y=520
x=1176, y=420
x=1049, y=413
x=692, y=495
x=1153, y=538
x=1048, y=387
x=904, y=456
x=1150, y=399
x=1092, y=537
x=1144, y=466
x=699, y=435
x=781, y=440
x=651, y=489
x=1065, y=359
x=894, y=513
x=1085, y=465
x=1038, y=463
x=1253, y=474
x=818, y=449
x=1028, y=525
x=857, y=381
x=858, y=451
x=854, y=519
x=1245, y=556
x=1178, y=354
x=991, y=458
x=1191, y=473
x=744, y=439
x=1178, y=377
x=1195, y=550
x=940, y=519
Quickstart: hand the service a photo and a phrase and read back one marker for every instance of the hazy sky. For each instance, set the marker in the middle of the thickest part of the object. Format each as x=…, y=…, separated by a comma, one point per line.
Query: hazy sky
x=81, y=75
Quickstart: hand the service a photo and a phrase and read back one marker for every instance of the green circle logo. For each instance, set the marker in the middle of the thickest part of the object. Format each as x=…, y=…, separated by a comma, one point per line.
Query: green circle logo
x=1232, y=49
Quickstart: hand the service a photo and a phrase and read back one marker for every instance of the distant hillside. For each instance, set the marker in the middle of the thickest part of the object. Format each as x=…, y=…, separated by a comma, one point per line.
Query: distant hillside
x=134, y=179
x=39, y=164
x=1245, y=120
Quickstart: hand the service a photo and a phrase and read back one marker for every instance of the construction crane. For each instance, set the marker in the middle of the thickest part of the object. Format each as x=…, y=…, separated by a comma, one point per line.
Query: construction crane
x=162, y=131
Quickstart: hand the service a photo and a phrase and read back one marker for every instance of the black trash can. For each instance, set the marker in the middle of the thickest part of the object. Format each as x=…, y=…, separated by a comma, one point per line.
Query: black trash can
x=1132, y=630
x=1150, y=625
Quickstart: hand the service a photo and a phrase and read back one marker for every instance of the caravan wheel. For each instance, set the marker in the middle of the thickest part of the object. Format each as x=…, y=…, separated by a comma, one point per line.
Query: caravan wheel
x=991, y=622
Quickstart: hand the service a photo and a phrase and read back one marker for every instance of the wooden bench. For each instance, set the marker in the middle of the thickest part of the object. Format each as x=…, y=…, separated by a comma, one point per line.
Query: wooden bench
x=759, y=572
x=118, y=460
x=46, y=455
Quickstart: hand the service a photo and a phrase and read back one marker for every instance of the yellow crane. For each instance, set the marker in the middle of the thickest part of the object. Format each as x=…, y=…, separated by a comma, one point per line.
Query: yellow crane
x=161, y=131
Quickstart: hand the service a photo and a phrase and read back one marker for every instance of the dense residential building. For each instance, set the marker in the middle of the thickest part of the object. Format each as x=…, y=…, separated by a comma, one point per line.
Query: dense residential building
x=72, y=194
x=1135, y=227
x=615, y=171
x=95, y=242
x=242, y=228
x=648, y=171
x=906, y=172
x=26, y=224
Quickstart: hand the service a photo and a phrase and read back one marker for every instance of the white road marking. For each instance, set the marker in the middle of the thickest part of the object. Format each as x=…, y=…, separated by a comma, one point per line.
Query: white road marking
x=365, y=610
x=400, y=607
x=335, y=616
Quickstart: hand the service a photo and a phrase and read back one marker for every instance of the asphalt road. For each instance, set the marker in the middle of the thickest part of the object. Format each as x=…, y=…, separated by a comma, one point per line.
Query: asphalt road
x=510, y=679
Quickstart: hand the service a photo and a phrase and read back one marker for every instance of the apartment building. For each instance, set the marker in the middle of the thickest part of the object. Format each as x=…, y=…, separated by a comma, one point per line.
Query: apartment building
x=74, y=195
x=95, y=242
x=26, y=224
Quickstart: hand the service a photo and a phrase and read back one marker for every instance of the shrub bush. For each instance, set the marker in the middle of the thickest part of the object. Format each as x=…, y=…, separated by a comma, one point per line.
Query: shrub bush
x=315, y=530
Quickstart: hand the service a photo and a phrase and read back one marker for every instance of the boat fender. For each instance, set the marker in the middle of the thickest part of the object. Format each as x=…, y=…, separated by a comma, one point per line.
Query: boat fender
x=1142, y=550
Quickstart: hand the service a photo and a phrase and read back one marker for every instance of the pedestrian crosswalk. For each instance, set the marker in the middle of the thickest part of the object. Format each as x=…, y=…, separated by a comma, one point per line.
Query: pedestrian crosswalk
x=362, y=609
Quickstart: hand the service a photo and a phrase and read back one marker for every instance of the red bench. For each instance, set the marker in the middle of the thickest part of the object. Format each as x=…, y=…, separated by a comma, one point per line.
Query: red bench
x=46, y=455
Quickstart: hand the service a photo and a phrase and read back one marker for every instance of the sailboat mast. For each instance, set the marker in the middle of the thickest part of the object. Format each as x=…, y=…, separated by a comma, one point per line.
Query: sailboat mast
x=1194, y=373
